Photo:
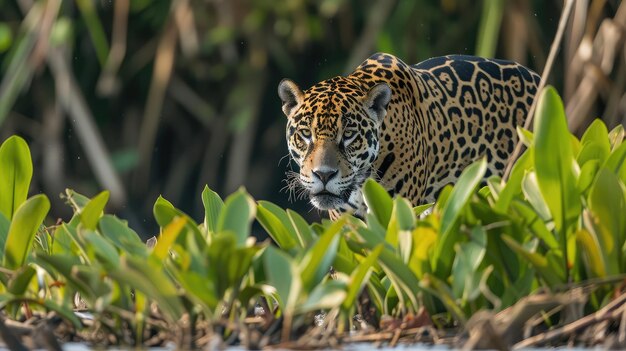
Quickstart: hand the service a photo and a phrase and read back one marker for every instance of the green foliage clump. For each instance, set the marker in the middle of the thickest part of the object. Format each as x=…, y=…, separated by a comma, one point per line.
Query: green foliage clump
x=558, y=220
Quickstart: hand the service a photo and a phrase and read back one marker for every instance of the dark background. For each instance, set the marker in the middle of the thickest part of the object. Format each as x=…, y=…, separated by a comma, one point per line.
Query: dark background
x=149, y=97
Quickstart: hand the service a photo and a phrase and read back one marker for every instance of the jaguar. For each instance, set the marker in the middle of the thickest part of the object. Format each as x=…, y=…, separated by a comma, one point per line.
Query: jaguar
x=412, y=128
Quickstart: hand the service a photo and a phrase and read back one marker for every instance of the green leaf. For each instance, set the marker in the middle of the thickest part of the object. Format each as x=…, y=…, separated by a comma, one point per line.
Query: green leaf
x=461, y=194
x=24, y=225
x=16, y=171
x=359, y=277
x=378, y=201
x=616, y=136
x=595, y=143
x=168, y=237
x=4, y=233
x=162, y=211
x=525, y=136
x=327, y=295
x=238, y=212
x=103, y=249
x=316, y=262
x=587, y=175
x=554, y=162
x=229, y=262
x=607, y=200
x=513, y=186
x=404, y=214
x=152, y=281
x=304, y=232
x=469, y=255
x=277, y=224
x=553, y=274
x=592, y=253
x=92, y=212
x=18, y=284
x=616, y=162
x=212, y=208
x=121, y=235
x=530, y=187
x=282, y=275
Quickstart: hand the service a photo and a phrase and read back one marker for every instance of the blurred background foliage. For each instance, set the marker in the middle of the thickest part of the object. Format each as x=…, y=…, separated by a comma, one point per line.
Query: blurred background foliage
x=149, y=97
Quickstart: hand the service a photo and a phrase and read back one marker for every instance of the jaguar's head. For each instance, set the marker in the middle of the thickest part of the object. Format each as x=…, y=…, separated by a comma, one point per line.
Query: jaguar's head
x=333, y=133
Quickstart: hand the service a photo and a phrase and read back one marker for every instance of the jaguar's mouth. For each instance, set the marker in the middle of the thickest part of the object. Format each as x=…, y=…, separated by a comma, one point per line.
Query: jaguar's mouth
x=325, y=200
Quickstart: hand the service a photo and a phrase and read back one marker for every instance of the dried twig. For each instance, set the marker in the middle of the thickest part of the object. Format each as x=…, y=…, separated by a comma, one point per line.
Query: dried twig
x=554, y=49
x=613, y=310
x=108, y=83
x=163, y=66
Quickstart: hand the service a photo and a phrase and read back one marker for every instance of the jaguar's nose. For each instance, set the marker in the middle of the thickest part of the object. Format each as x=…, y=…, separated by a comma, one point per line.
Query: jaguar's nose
x=325, y=175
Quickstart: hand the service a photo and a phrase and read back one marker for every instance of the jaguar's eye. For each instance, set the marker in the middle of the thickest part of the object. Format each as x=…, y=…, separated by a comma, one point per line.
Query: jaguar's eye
x=305, y=134
x=348, y=136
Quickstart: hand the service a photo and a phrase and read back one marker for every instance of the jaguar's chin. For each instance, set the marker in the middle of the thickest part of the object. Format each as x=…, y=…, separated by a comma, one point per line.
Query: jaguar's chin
x=325, y=200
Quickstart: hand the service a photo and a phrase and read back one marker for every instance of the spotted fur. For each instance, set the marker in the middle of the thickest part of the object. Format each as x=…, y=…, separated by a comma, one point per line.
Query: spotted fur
x=412, y=128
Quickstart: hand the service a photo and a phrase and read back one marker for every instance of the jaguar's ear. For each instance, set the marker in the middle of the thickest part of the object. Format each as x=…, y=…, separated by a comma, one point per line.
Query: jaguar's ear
x=376, y=101
x=291, y=95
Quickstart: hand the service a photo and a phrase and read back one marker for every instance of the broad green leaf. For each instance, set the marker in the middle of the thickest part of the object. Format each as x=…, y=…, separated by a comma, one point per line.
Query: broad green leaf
x=461, y=194
x=165, y=212
x=525, y=136
x=616, y=136
x=530, y=187
x=554, y=161
x=16, y=171
x=327, y=295
x=592, y=253
x=229, y=262
x=168, y=237
x=121, y=235
x=595, y=144
x=587, y=175
x=4, y=233
x=463, y=190
x=553, y=274
x=440, y=290
x=513, y=186
x=378, y=201
x=532, y=222
x=424, y=239
x=616, y=162
x=419, y=210
x=316, y=262
x=278, y=224
x=237, y=214
x=152, y=281
x=607, y=203
x=200, y=289
x=26, y=221
x=359, y=277
x=162, y=211
x=91, y=213
x=65, y=266
x=404, y=214
x=282, y=275
x=398, y=272
x=103, y=249
x=212, y=208
x=469, y=255
x=305, y=234
x=18, y=284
